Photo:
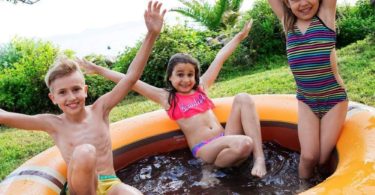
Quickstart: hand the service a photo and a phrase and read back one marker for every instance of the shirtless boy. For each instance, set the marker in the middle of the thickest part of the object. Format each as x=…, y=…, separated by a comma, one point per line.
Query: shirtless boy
x=82, y=132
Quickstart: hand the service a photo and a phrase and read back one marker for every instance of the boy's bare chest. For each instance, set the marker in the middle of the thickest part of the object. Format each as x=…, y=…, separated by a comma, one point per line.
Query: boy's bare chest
x=93, y=130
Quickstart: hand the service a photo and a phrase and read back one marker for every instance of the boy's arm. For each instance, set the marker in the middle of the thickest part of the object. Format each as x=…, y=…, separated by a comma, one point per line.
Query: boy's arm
x=155, y=94
x=154, y=23
x=213, y=70
x=27, y=122
x=277, y=7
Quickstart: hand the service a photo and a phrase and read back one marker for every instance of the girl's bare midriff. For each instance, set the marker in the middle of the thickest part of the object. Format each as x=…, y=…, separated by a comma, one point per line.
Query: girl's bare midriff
x=199, y=127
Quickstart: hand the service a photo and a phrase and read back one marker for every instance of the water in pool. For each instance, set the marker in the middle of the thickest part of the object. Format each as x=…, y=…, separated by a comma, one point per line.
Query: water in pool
x=179, y=172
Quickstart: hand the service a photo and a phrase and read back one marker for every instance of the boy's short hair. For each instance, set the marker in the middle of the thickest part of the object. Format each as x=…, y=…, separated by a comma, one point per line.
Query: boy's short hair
x=62, y=67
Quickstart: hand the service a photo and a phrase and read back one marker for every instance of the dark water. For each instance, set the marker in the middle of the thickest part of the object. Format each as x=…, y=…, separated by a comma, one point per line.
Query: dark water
x=180, y=173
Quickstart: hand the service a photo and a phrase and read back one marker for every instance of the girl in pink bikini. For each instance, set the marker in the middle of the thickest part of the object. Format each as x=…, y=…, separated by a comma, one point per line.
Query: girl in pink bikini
x=186, y=102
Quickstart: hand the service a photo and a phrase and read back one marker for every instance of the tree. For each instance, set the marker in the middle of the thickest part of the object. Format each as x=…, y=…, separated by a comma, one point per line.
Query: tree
x=30, y=2
x=218, y=16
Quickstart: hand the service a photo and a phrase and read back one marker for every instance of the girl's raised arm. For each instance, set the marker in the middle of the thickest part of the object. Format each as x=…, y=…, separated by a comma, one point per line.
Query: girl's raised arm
x=277, y=7
x=154, y=18
x=209, y=77
x=155, y=94
x=327, y=12
x=328, y=6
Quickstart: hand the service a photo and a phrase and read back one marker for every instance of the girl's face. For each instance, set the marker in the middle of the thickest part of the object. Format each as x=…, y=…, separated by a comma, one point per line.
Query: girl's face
x=303, y=9
x=183, y=77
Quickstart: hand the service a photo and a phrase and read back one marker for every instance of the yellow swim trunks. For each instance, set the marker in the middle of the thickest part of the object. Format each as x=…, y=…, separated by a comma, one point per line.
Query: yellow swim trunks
x=105, y=183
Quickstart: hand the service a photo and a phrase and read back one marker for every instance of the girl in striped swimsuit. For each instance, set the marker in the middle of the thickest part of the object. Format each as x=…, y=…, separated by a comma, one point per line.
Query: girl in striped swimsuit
x=322, y=105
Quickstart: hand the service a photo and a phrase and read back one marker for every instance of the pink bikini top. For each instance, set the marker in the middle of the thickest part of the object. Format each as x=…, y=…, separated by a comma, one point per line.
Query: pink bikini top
x=189, y=105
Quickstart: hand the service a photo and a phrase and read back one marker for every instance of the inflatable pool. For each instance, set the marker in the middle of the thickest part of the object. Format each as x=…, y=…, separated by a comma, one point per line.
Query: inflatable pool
x=154, y=133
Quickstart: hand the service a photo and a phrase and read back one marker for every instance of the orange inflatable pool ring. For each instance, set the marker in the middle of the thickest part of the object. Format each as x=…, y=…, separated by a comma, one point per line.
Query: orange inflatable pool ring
x=154, y=133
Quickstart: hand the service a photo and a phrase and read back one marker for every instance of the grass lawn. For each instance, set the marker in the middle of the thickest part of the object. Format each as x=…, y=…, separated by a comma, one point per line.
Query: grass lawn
x=268, y=76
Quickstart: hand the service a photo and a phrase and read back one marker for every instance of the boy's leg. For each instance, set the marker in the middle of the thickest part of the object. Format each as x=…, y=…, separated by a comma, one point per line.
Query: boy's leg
x=226, y=151
x=308, y=135
x=330, y=129
x=244, y=119
x=122, y=188
x=82, y=170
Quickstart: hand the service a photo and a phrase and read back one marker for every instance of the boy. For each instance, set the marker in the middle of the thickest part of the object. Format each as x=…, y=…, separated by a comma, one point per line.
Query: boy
x=82, y=132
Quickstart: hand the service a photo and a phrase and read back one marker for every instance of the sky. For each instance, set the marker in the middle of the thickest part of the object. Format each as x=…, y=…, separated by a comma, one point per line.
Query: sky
x=85, y=26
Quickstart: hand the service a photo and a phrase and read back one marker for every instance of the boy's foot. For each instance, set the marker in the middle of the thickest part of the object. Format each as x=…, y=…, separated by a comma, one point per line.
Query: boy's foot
x=259, y=168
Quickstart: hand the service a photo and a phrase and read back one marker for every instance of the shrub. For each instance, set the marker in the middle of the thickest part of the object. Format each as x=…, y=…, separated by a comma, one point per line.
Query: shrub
x=355, y=22
x=8, y=56
x=22, y=87
x=266, y=36
x=173, y=39
x=25, y=63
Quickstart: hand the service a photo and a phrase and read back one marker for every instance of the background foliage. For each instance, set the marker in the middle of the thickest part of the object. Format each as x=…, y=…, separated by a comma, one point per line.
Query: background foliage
x=268, y=76
x=24, y=62
x=22, y=87
x=220, y=15
x=355, y=22
x=256, y=67
x=266, y=36
x=174, y=39
x=30, y=2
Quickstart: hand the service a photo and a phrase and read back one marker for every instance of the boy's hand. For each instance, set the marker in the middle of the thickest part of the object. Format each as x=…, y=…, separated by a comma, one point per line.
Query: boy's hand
x=153, y=18
x=246, y=29
x=86, y=66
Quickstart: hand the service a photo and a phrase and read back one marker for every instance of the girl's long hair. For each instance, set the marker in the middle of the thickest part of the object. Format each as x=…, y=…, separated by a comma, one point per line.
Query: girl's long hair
x=173, y=61
x=289, y=18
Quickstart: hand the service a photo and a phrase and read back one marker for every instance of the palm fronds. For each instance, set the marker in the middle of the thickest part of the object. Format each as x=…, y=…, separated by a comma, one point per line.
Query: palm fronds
x=214, y=17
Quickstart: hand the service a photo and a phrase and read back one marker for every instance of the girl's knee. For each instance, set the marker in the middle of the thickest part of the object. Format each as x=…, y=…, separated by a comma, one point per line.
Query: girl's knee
x=323, y=159
x=206, y=156
x=244, y=147
x=244, y=99
x=310, y=158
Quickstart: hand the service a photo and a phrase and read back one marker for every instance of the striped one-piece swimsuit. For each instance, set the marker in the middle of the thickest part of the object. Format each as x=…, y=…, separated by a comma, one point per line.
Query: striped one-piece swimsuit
x=309, y=59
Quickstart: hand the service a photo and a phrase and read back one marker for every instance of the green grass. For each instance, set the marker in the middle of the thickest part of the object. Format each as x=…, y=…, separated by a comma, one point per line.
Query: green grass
x=357, y=63
x=132, y=106
x=17, y=146
x=269, y=76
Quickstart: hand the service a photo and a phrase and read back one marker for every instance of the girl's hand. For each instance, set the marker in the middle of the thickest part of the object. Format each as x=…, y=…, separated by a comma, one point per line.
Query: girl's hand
x=87, y=66
x=153, y=17
x=246, y=29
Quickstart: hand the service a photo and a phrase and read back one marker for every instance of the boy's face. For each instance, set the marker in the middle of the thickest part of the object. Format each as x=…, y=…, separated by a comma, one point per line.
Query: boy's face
x=69, y=93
